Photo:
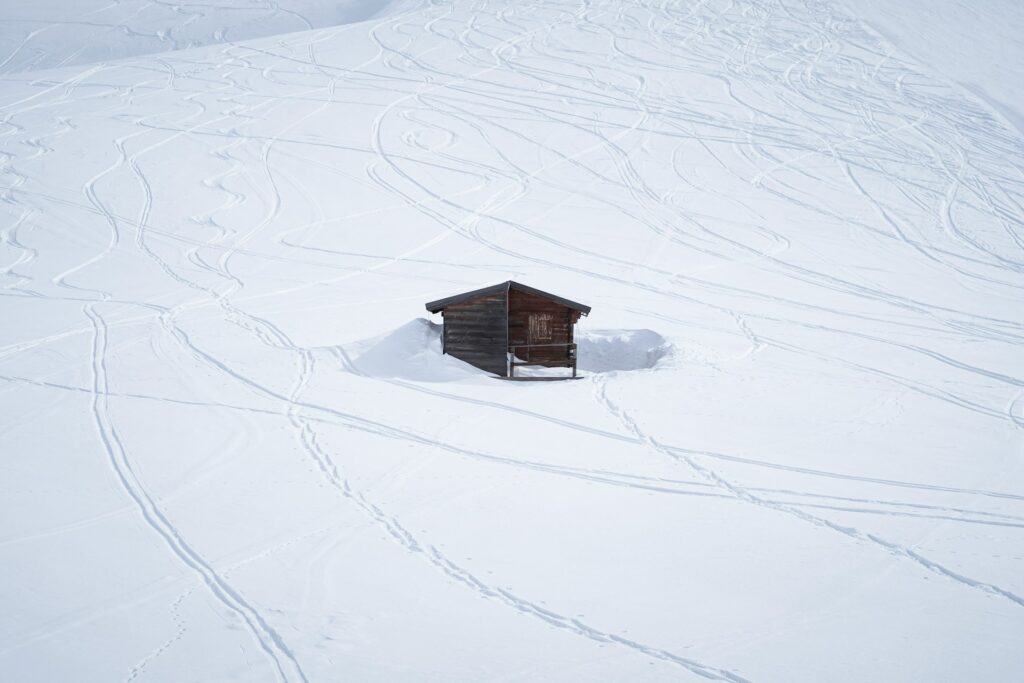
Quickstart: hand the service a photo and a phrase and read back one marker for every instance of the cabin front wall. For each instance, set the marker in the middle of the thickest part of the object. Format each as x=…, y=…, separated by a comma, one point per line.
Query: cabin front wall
x=475, y=332
x=535, y=320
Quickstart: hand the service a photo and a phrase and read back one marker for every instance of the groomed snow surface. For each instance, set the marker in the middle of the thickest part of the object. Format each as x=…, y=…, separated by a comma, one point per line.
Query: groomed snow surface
x=231, y=448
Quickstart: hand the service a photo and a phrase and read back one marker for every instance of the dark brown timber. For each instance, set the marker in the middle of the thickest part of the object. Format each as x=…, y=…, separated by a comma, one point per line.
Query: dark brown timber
x=501, y=327
x=474, y=331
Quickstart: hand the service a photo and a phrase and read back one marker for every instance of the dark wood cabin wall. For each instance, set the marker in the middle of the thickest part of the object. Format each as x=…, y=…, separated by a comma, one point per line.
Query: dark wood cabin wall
x=475, y=331
x=563, y=319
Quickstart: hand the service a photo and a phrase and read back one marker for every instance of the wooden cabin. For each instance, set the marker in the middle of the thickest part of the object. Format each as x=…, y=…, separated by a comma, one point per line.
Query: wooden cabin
x=502, y=327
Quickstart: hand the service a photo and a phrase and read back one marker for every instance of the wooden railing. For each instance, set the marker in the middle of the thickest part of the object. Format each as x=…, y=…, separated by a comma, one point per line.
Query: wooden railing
x=569, y=362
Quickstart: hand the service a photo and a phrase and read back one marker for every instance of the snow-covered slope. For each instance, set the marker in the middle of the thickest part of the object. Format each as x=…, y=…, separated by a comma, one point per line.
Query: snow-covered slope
x=43, y=34
x=977, y=45
x=232, y=451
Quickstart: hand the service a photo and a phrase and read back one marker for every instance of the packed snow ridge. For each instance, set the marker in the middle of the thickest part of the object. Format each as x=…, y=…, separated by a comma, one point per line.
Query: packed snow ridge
x=231, y=448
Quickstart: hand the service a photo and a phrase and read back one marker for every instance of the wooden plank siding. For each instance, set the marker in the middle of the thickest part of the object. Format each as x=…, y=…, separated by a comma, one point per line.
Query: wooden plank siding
x=552, y=321
x=482, y=326
x=475, y=331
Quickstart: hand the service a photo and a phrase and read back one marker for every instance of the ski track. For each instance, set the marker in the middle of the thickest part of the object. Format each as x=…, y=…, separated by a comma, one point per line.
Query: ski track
x=284, y=662
x=964, y=164
x=746, y=495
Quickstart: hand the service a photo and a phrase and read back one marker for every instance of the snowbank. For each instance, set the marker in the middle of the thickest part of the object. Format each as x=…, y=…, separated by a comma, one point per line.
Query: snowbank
x=413, y=351
x=615, y=350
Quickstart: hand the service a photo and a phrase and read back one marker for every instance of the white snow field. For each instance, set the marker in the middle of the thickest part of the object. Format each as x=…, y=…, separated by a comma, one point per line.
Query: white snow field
x=43, y=34
x=231, y=448
x=977, y=45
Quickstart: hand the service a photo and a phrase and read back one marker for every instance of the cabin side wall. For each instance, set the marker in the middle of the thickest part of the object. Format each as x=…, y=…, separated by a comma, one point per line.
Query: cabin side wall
x=553, y=324
x=476, y=332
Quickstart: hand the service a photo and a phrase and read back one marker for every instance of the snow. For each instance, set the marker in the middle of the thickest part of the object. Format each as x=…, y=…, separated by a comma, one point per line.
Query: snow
x=977, y=46
x=412, y=351
x=43, y=34
x=614, y=350
x=233, y=451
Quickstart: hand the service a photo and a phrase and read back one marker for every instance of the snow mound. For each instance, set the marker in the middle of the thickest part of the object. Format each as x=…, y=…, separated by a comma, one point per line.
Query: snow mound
x=615, y=350
x=412, y=351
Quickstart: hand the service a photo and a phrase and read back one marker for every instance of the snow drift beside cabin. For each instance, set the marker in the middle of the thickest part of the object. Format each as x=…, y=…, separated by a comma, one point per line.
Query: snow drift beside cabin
x=413, y=352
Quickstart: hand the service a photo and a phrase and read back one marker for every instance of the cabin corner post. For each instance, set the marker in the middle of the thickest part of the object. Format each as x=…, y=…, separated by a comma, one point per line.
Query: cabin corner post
x=510, y=361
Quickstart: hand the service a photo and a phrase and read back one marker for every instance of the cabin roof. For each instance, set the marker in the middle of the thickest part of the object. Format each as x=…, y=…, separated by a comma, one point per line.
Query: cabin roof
x=435, y=306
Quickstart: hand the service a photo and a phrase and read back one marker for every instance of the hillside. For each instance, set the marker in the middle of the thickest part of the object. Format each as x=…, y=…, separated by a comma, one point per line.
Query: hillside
x=45, y=34
x=232, y=449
